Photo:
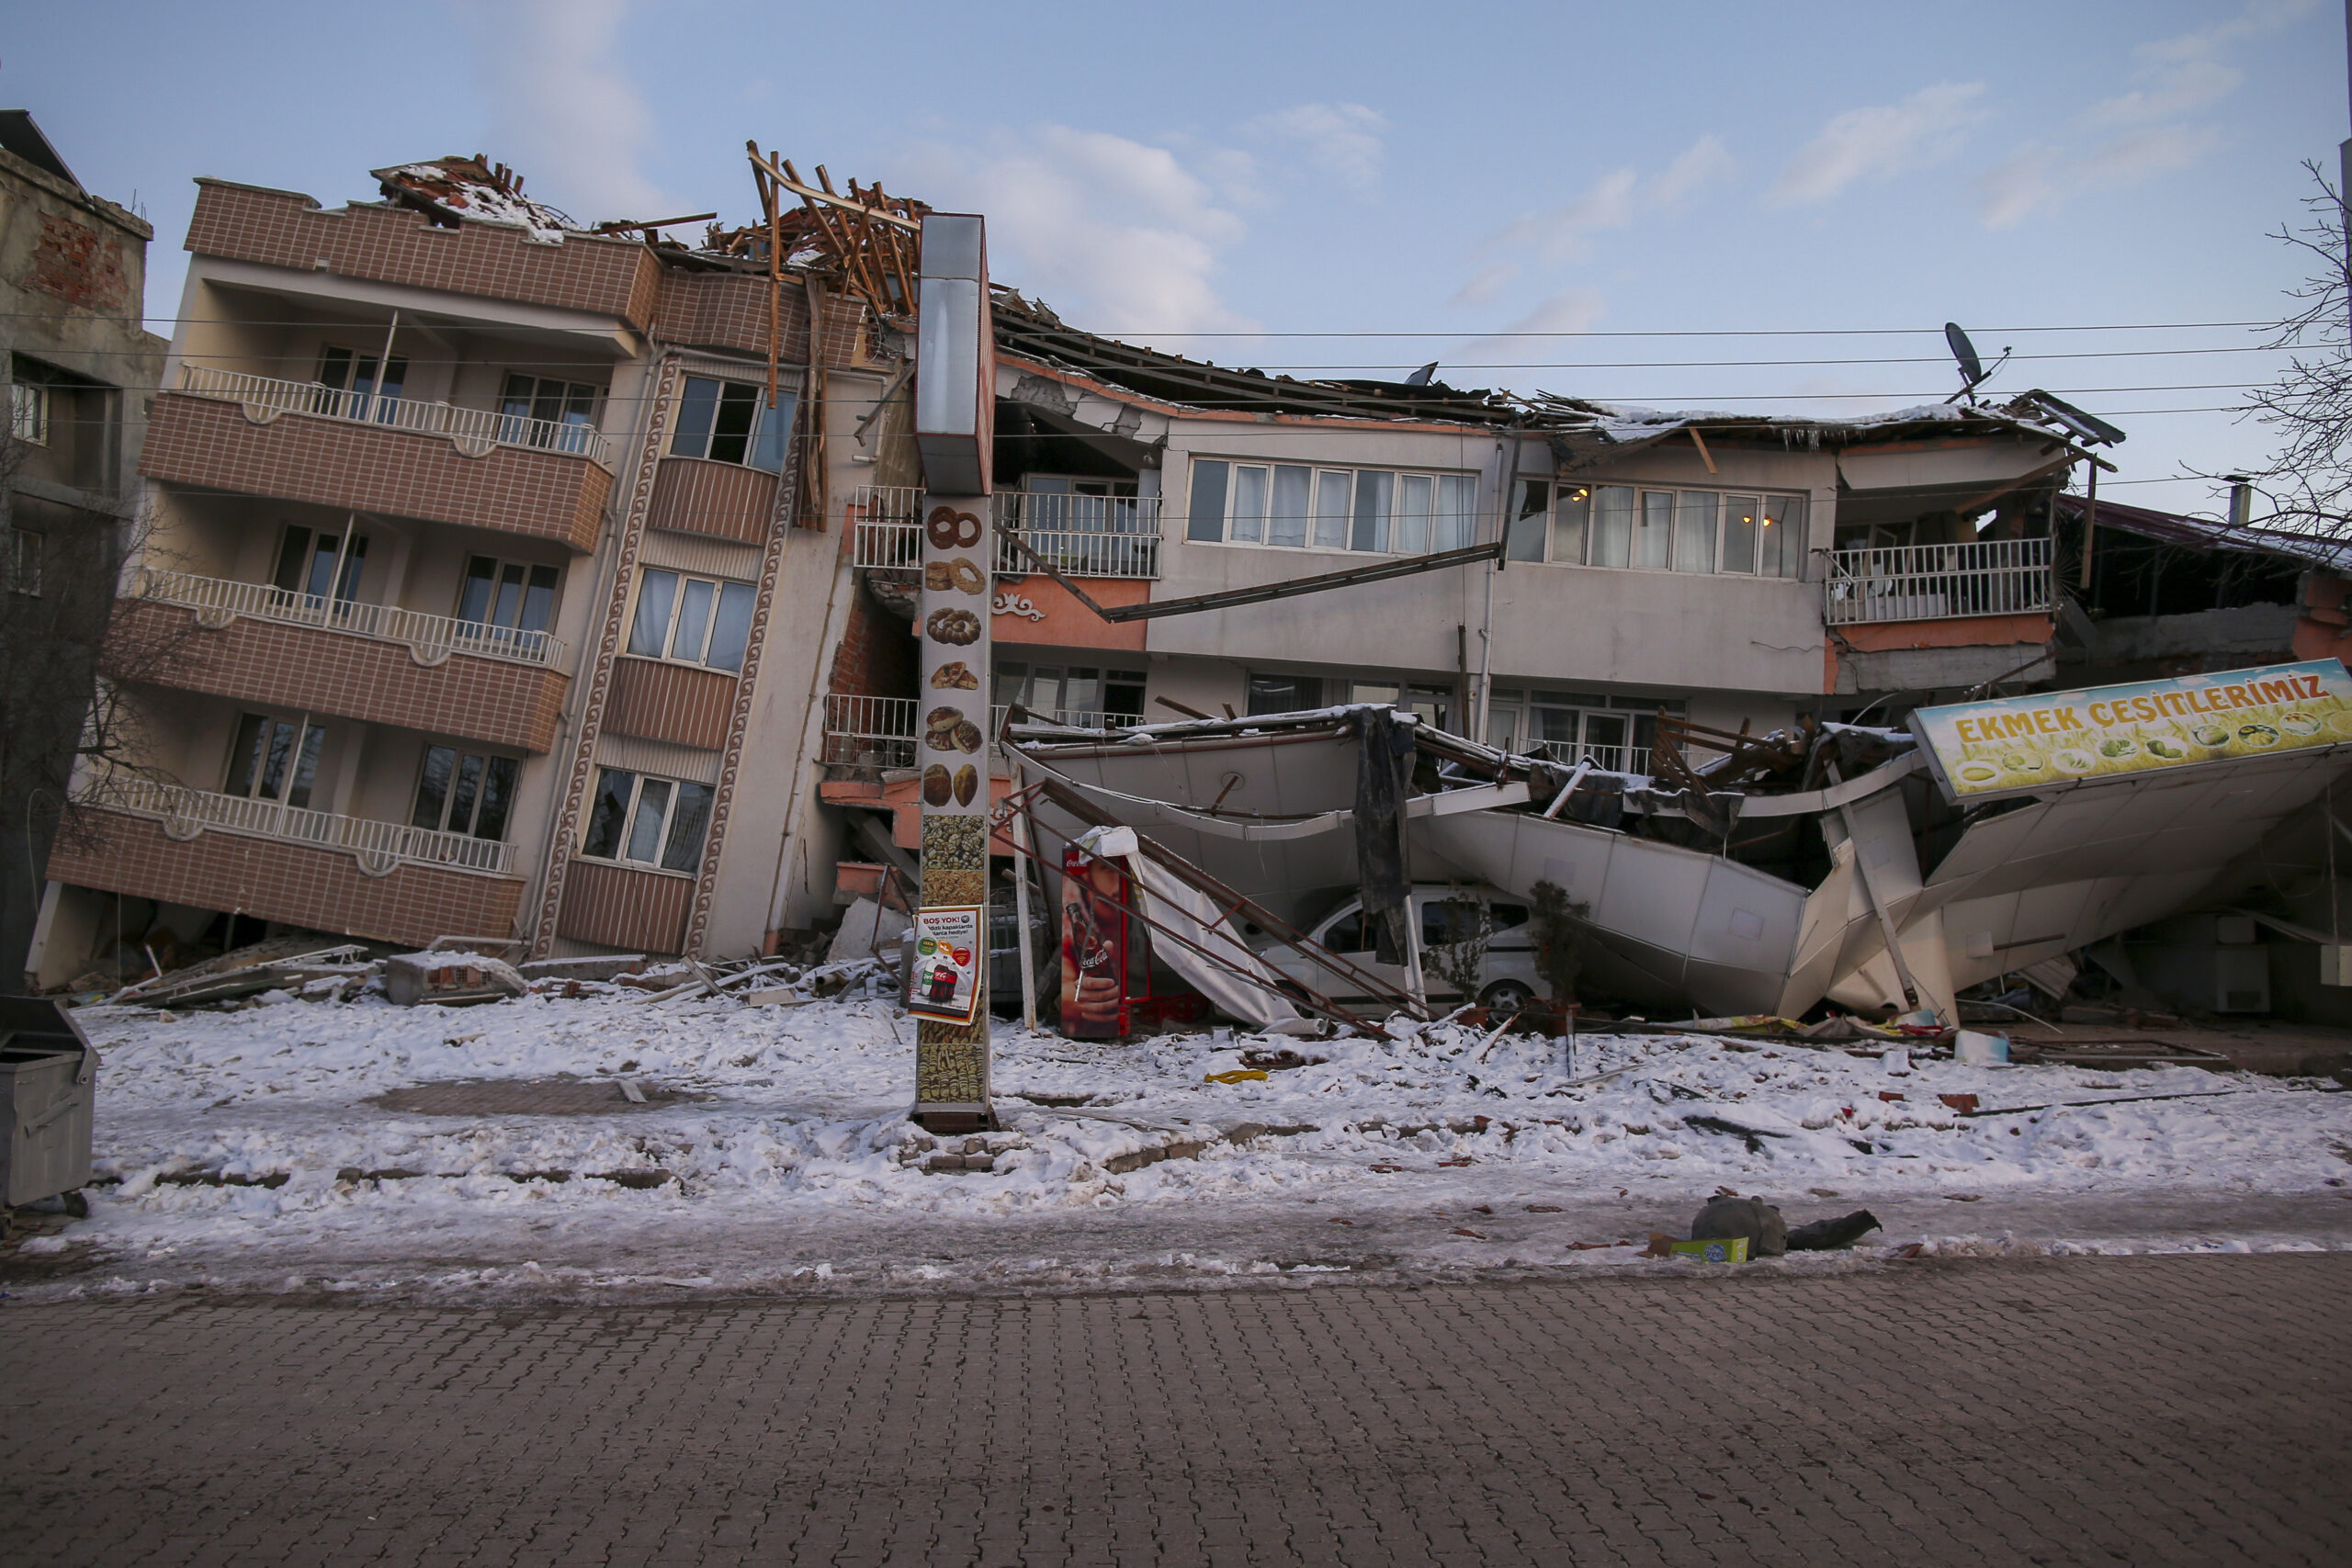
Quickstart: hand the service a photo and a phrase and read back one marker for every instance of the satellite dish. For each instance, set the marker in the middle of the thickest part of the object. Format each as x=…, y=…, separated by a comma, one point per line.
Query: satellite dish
x=1972, y=369
x=1972, y=372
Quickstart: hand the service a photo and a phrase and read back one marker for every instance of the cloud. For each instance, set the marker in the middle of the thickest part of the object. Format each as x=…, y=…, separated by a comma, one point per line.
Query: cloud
x=561, y=110
x=1565, y=232
x=1879, y=143
x=1569, y=310
x=1483, y=288
x=1706, y=161
x=2038, y=175
x=2140, y=132
x=1342, y=140
x=1115, y=234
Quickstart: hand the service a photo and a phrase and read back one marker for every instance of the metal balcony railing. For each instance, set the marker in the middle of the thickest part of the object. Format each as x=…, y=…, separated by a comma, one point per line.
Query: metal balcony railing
x=431, y=636
x=1085, y=535
x=379, y=845
x=878, y=731
x=1936, y=583
x=475, y=429
x=1607, y=759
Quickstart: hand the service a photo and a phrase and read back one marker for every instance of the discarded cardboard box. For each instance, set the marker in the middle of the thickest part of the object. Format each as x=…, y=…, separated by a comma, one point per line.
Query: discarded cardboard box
x=1712, y=1249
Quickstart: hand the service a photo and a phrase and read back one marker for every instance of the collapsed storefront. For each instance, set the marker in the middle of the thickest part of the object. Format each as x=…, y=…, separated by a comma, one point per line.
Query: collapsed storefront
x=1876, y=869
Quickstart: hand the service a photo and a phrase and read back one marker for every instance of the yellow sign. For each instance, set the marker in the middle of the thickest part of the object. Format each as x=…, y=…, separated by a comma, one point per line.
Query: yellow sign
x=2027, y=743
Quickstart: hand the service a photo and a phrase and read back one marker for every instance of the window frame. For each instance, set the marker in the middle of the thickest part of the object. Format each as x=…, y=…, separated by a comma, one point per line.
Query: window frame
x=1653, y=521
x=28, y=403
x=724, y=591
x=480, y=791
x=300, y=764
x=500, y=567
x=1322, y=507
x=769, y=434
x=28, y=555
x=665, y=828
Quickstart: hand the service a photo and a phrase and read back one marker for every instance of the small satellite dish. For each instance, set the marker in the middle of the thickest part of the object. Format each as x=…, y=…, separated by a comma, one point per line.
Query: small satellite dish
x=1972, y=372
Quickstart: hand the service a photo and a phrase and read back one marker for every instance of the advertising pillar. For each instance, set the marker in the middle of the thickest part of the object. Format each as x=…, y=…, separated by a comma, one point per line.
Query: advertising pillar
x=953, y=427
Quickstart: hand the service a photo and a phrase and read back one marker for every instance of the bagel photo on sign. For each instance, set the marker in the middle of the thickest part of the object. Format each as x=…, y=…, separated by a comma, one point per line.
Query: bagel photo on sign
x=958, y=628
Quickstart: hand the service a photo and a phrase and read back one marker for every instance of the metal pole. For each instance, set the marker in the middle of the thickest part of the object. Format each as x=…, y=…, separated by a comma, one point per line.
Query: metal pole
x=384, y=366
x=1021, y=906
x=2090, y=515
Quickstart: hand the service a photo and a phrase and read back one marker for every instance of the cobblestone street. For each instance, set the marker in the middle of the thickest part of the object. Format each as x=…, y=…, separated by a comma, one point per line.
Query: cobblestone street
x=2187, y=1410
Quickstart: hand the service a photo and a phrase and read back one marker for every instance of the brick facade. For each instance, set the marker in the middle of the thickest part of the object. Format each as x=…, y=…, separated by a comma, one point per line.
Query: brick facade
x=333, y=462
x=615, y=906
x=586, y=272
x=729, y=311
x=723, y=501
x=376, y=682
x=659, y=701
x=299, y=884
x=876, y=654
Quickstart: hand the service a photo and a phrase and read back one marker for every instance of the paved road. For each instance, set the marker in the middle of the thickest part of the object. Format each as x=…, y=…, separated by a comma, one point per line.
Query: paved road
x=2169, y=1410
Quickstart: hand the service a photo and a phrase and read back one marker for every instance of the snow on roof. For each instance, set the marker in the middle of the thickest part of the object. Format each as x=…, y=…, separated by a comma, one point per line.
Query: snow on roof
x=448, y=189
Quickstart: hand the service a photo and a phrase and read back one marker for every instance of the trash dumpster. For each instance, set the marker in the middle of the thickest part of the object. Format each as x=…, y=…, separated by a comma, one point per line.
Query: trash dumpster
x=48, y=1079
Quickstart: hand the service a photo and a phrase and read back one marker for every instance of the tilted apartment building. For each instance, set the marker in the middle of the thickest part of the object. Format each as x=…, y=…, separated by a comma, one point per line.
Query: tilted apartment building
x=1734, y=571
x=498, y=591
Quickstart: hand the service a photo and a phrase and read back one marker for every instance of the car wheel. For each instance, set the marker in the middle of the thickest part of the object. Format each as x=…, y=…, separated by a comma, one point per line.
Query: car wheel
x=1507, y=996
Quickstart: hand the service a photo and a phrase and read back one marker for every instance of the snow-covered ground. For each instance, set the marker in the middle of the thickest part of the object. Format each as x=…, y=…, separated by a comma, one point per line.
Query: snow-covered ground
x=1430, y=1155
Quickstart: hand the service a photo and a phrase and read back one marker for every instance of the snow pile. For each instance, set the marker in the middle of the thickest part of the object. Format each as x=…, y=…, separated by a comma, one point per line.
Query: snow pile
x=252, y=1137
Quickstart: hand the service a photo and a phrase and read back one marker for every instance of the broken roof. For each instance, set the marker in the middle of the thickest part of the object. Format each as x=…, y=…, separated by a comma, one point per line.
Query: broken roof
x=1579, y=429
x=2209, y=534
x=450, y=189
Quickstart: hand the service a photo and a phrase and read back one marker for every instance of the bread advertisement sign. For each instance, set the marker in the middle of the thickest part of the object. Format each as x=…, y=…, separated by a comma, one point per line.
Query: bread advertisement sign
x=2020, y=745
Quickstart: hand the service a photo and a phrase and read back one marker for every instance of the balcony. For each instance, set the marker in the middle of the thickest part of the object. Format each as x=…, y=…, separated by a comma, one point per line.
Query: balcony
x=1082, y=536
x=307, y=868
x=299, y=441
x=377, y=664
x=1937, y=582
x=1604, y=759
x=884, y=731
x=471, y=431
x=217, y=602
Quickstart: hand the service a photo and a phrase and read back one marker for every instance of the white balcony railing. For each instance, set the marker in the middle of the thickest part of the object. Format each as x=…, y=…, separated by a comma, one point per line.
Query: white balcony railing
x=215, y=600
x=1085, y=535
x=1606, y=759
x=879, y=731
x=473, y=430
x=378, y=846
x=1935, y=582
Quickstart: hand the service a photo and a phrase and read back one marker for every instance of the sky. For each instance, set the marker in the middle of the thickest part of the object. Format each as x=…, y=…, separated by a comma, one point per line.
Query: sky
x=1698, y=204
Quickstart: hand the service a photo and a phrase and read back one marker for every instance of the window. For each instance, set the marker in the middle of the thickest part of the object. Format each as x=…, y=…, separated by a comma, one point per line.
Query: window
x=26, y=548
x=563, y=412
x=307, y=564
x=1712, y=532
x=352, y=389
x=694, y=619
x=1614, y=732
x=1073, y=694
x=651, y=822
x=275, y=759
x=1284, y=694
x=464, y=792
x=512, y=595
x=729, y=421
x=1371, y=510
x=28, y=412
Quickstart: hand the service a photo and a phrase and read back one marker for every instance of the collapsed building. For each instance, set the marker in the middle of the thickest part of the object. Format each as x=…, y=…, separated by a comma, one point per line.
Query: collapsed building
x=550, y=586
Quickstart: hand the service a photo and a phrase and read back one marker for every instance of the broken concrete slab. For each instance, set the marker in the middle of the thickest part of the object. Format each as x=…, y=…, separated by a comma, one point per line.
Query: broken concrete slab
x=450, y=979
x=603, y=966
